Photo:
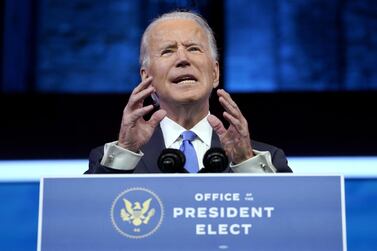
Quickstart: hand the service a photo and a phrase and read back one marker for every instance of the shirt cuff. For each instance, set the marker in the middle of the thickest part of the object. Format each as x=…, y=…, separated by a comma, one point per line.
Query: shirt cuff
x=116, y=157
x=261, y=162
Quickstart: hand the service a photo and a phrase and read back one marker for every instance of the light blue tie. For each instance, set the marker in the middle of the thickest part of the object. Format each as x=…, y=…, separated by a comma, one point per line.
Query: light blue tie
x=187, y=148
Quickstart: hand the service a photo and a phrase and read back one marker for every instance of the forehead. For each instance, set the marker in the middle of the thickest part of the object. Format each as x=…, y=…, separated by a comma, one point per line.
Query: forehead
x=177, y=30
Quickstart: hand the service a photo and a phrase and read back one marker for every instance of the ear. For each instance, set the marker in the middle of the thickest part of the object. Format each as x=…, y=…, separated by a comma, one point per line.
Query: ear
x=216, y=74
x=143, y=73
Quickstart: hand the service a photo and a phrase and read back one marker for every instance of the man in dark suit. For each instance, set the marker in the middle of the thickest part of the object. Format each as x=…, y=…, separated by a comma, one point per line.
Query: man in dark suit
x=179, y=69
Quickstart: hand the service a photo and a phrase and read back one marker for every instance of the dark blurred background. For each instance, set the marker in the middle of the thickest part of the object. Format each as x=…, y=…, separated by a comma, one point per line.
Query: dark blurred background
x=303, y=72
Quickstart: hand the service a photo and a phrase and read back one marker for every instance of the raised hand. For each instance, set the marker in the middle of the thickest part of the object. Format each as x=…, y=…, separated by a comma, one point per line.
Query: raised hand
x=134, y=130
x=236, y=139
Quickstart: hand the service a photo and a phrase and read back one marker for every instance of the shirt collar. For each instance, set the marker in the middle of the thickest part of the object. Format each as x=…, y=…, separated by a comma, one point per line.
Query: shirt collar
x=172, y=131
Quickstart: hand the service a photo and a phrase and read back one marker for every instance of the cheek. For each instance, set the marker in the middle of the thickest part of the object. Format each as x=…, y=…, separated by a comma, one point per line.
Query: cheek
x=159, y=71
x=209, y=76
x=159, y=79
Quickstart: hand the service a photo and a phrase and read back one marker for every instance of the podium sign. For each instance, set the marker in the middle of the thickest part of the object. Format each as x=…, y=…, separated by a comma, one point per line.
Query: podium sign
x=192, y=212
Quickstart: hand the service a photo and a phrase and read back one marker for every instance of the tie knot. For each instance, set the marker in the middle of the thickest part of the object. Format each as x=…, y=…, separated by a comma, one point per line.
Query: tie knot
x=188, y=135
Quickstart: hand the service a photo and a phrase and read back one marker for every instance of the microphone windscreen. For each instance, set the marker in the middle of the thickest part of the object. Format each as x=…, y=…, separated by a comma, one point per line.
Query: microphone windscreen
x=171, y=161
x=215, y=161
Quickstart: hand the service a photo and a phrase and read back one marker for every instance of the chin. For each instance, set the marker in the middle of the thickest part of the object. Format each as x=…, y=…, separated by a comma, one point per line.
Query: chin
x=187, y=100
x=184, y=97
x=190, y=99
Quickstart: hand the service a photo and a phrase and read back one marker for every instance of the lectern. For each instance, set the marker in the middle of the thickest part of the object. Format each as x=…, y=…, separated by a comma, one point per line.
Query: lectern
x=192, y=212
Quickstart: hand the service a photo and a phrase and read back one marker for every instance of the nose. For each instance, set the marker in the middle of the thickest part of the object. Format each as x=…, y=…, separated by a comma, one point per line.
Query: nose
x=182, y=58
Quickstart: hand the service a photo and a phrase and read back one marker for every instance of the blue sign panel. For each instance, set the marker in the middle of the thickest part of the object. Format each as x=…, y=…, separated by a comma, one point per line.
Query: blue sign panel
x=192, y=212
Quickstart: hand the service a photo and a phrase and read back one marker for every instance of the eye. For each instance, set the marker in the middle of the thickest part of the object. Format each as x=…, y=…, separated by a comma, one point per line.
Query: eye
x=194, y=48
x=166, y=52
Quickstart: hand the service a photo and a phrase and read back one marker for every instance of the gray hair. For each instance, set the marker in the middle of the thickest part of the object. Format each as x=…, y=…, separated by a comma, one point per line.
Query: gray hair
x=144, y=56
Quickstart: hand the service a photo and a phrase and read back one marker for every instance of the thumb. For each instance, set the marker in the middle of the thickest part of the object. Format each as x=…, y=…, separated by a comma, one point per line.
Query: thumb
x=156, y=118
x=216, y=124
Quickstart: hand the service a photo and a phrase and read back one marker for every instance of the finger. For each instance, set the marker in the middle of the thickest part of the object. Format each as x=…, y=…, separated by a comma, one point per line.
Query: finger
x=156, y=118
x=138, y=98
x=229, y=108
x=228, y=104
x=143, y=85
x=138, y=113
x=241, y=127
x=216, y=124
x=227, y=97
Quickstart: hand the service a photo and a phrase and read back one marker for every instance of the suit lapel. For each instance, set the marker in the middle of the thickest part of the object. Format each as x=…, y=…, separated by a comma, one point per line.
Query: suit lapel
x=215, y=142
x=152, y=151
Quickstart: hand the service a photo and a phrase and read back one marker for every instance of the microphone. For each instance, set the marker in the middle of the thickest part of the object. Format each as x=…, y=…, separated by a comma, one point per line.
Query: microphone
x=171, y=161
x=214, y=161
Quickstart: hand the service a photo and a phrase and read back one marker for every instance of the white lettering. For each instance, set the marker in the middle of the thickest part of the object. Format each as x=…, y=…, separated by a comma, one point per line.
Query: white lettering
x=210, y=231
x=202, y=212
x=256, y=212
x=207, y=196
x=244, y=212
x=198, y=197
x=213, y=212
x=223, y=229
x=223, y=212
x=246, y=228
x=217, y=197
x=177, y=211
x=200, y=229
x=231, y=212
x=233, y=230
x=269, y=211
x=189, y=212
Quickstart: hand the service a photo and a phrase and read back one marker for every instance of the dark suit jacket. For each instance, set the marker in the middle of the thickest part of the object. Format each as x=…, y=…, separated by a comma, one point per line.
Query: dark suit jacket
x=152, y=150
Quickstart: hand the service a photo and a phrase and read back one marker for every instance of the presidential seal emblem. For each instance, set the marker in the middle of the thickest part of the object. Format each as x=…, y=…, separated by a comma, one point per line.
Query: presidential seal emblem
x=137, y=213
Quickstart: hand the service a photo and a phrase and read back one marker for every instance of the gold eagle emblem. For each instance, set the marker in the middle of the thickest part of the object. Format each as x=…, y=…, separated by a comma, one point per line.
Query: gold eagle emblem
x=136, y=213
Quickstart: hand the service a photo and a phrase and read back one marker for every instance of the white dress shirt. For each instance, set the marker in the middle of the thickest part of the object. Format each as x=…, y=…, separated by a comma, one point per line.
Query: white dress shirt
x=173, y=139
x=115, y=156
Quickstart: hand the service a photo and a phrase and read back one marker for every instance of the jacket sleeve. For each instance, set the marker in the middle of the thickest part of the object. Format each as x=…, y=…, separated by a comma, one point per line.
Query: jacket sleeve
x=279, y=160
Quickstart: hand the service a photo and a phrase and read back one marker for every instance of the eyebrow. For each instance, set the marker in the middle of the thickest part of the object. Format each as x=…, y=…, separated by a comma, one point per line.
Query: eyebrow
x=191, y=43
x=168, y=45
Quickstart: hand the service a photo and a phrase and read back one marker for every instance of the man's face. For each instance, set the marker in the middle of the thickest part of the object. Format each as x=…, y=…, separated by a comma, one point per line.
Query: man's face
x=180, y=63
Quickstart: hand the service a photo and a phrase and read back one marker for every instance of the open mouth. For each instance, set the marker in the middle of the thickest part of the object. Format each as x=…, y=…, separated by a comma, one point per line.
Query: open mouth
x=185, y=79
